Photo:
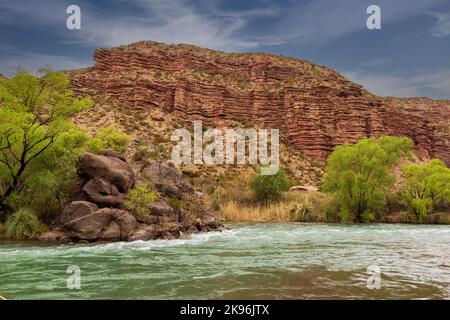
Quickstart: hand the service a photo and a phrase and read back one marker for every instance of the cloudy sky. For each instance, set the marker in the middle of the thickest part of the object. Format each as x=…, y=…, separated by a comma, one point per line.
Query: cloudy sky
x=409, y=56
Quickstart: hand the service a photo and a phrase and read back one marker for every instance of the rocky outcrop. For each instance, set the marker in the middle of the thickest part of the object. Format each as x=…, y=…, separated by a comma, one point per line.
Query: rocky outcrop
x=97, y=212
x=315, y=108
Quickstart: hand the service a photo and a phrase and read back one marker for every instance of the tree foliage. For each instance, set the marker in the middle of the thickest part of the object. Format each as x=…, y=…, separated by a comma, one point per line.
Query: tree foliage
x=38, y=143
x=270, y=187
x=426, y=187
x=111, y=138
x=358, y=175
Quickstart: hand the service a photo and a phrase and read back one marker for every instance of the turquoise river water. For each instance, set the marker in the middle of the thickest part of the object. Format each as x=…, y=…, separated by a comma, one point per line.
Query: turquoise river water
x=249, y=261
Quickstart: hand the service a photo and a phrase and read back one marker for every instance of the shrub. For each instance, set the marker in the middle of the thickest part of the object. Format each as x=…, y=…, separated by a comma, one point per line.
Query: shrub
x=358, y=175
x=236, y=189
x=22, y=224
x=270, y=187
x=140, y=198
x=109, y=137
x=426, y=187
x=306, y=206
x=175, y=203
x=142, y=154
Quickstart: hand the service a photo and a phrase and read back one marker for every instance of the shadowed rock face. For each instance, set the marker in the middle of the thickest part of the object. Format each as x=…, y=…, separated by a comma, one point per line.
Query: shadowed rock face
x=314, y=107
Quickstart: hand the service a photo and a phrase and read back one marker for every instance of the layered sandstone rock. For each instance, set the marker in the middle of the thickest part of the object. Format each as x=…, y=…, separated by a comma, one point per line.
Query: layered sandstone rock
x=314, y=107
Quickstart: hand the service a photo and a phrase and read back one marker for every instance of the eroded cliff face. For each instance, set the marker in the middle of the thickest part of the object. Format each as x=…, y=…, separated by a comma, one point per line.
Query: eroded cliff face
x=314, y=107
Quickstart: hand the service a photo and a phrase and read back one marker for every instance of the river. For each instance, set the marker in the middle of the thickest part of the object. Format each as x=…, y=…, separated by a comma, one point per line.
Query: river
x=249, y=261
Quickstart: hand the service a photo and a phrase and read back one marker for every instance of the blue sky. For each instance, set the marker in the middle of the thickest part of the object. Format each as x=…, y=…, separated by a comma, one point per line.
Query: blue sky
x=409, y=56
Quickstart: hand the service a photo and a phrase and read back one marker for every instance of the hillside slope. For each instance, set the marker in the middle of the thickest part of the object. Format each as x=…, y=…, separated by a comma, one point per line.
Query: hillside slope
x=314, y=107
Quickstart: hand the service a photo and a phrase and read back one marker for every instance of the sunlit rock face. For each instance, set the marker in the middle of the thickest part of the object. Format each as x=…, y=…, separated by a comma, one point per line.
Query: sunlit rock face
x=314, y=107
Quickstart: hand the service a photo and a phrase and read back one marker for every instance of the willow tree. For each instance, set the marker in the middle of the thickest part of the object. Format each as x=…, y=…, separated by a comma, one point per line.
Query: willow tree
x=359, y=175
x=35, y=132
x=426, y=187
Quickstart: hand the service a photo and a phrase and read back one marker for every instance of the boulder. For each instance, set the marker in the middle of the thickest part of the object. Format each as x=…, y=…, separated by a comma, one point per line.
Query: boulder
x=173, y=191
x=93, y=226
x=111, y=233
x=161, y=208
x=103, y=193
x=146, y=232
x=54, y=236
x=147, y=218
x=114, y=154
x=166, y=178
x=162, y=173
x=210, y=221
x=198, y=224
x=304, y=188
x=77, y=209
x=113, y=170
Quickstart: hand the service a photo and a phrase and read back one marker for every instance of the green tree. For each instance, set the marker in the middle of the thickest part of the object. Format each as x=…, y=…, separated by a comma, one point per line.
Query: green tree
x=426, y=187
x=270, y=187
x=109, y=137
x=36, y=137
x=358, y=175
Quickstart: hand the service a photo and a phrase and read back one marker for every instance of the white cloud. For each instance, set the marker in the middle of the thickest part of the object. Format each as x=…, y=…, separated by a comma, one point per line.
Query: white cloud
x=442, y=25
x=402, y=86
x=172, y=21
x=179, y=21
x=322, y=20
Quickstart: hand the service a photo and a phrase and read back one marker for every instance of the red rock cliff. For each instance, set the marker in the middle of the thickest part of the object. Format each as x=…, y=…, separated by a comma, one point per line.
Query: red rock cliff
x=314, y=107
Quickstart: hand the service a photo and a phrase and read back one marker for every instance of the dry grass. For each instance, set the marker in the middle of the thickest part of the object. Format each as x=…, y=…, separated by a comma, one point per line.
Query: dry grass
x=295, y=206
x=232, y=211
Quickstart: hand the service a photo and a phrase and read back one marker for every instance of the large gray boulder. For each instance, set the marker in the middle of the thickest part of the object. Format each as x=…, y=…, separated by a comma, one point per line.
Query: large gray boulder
x=93, y=226
x=103, y=193
x=110, y=169
x=77, y=209
x=166, y=178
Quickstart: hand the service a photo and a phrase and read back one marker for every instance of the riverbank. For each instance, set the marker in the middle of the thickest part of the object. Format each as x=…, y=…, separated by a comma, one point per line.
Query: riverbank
x=311, y=207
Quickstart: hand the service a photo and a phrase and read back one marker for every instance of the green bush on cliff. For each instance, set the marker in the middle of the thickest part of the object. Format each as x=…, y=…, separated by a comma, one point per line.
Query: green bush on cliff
x=270, y=188
x=139, y=199
x=22, y=224
x=110, y=137
x=426, y=187
x=38, y=143
x=358, y=175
